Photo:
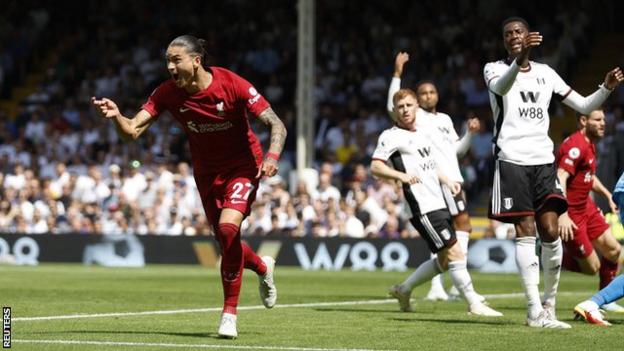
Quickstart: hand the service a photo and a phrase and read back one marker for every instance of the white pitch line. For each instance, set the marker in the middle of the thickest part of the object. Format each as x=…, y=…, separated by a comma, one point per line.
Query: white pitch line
x=201, y=346
x=261, y=307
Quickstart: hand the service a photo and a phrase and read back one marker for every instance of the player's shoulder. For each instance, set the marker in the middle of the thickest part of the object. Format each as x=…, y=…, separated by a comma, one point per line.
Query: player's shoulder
x=496, y=64
x=222, y=73
x=575, y=142
x=542, y=67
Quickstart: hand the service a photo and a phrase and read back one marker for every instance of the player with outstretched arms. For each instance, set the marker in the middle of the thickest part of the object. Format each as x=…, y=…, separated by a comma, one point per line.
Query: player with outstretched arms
x=409, y=151
x=583, y=227
x=447, y=147
x=525, y=188
x=212, y=105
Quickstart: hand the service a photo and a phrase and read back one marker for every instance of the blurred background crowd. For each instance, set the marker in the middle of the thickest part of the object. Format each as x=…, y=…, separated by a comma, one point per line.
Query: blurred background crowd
x=64, y=170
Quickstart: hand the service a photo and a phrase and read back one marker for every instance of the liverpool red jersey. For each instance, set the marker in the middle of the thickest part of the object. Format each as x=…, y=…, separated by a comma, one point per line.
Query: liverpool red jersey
x=215, y=120
x=578, y=157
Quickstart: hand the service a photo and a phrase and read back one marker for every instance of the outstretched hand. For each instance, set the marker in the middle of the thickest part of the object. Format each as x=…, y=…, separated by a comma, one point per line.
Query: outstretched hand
x=399, y=62
x=532, y=40
x=105, y=107
x=614, y=78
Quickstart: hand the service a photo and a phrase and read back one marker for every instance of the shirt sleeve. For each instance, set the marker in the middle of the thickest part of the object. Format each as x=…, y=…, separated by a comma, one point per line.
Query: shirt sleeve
x=570, y=156
x=248, y=95
x=385, y=148
x=155, y=104
x=499, y=78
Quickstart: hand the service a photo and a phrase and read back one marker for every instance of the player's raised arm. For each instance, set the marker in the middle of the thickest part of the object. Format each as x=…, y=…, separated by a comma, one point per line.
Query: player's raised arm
x=278, y=138
x=586, y=104
x=127, y=128
x=518, y=43
x=463, y=145
x=395, y=84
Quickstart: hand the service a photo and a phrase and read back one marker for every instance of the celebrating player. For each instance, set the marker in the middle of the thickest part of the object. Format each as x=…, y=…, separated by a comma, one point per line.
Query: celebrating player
x=590, y=309
x=583, y=227
x=447, y=148
x=409, y=150
x=525, y=190
x=211, y=104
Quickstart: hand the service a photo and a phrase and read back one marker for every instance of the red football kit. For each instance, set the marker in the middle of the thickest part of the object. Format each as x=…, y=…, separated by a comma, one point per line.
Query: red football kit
x=226, y=156
x=577, y=156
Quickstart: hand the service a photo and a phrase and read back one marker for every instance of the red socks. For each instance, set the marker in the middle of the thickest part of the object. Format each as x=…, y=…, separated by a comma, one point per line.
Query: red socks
x=608, y=271
x=231, y=265
x=253, y=261
x=234, y=256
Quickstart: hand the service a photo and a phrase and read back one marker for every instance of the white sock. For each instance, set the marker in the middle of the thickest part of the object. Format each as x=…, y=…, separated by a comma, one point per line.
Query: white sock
x=462, y=238
x=552, y=254
x=462, y=281
x=424, y=272
x=436, y=282
x=528, y=265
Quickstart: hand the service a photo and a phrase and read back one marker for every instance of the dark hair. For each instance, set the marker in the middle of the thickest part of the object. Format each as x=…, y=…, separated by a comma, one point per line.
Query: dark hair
x=425, y=81
x=514, y=19
x=194, y=46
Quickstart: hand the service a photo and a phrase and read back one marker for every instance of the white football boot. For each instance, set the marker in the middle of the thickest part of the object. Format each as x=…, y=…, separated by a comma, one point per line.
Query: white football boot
x=227, y=327
x=268, y=291
x=404, y=298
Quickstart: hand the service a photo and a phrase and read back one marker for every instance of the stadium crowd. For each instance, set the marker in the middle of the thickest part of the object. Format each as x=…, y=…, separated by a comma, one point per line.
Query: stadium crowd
x=64, y=170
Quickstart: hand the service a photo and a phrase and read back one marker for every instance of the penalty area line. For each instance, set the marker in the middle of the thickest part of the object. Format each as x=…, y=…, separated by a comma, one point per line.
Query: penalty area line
x=261, y=307
x=171, y=345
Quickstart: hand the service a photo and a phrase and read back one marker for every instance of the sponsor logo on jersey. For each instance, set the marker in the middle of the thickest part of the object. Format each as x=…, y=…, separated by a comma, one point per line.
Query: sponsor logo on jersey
x=529, y=95
x=567, y=161
x=425, y=151
x=208, y=127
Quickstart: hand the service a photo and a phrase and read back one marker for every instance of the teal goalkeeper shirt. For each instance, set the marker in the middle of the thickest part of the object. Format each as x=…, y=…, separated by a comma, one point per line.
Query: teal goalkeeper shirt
x=618, y=196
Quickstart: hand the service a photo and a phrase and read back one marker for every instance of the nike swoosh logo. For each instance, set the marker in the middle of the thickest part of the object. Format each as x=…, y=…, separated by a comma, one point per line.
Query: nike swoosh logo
x=184, y=109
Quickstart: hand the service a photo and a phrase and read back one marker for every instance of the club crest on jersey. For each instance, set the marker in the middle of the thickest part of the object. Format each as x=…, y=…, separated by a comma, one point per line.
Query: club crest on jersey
x=574, y=153
x=508, y=203
x=220, y=111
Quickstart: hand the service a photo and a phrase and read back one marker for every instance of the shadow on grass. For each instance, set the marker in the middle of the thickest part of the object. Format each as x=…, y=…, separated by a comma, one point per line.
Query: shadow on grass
x=493, y=321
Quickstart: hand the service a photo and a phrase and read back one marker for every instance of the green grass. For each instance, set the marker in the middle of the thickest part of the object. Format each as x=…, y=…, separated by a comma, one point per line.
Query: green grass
x=63, y=289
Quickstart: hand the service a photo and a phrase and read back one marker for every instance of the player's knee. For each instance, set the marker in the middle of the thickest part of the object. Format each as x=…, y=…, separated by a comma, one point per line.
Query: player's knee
x=462, y=222
x=227, y=235
x=526, y=226
x=590, y=266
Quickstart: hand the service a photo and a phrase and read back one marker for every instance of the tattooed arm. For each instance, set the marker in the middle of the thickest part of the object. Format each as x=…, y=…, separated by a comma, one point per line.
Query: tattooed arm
x=278, y=138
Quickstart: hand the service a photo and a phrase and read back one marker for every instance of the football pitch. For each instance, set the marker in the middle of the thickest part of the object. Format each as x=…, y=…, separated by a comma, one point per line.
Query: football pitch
x=176, y=307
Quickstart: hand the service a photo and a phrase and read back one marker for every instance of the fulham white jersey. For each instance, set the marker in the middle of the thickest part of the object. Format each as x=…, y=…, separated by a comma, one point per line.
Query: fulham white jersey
x=444, y=139
x=521, y=116
x=411, y=152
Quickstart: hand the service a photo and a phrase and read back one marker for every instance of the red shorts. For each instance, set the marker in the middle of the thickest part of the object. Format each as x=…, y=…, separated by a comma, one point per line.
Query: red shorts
x=235, y=188
x=591, y=225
